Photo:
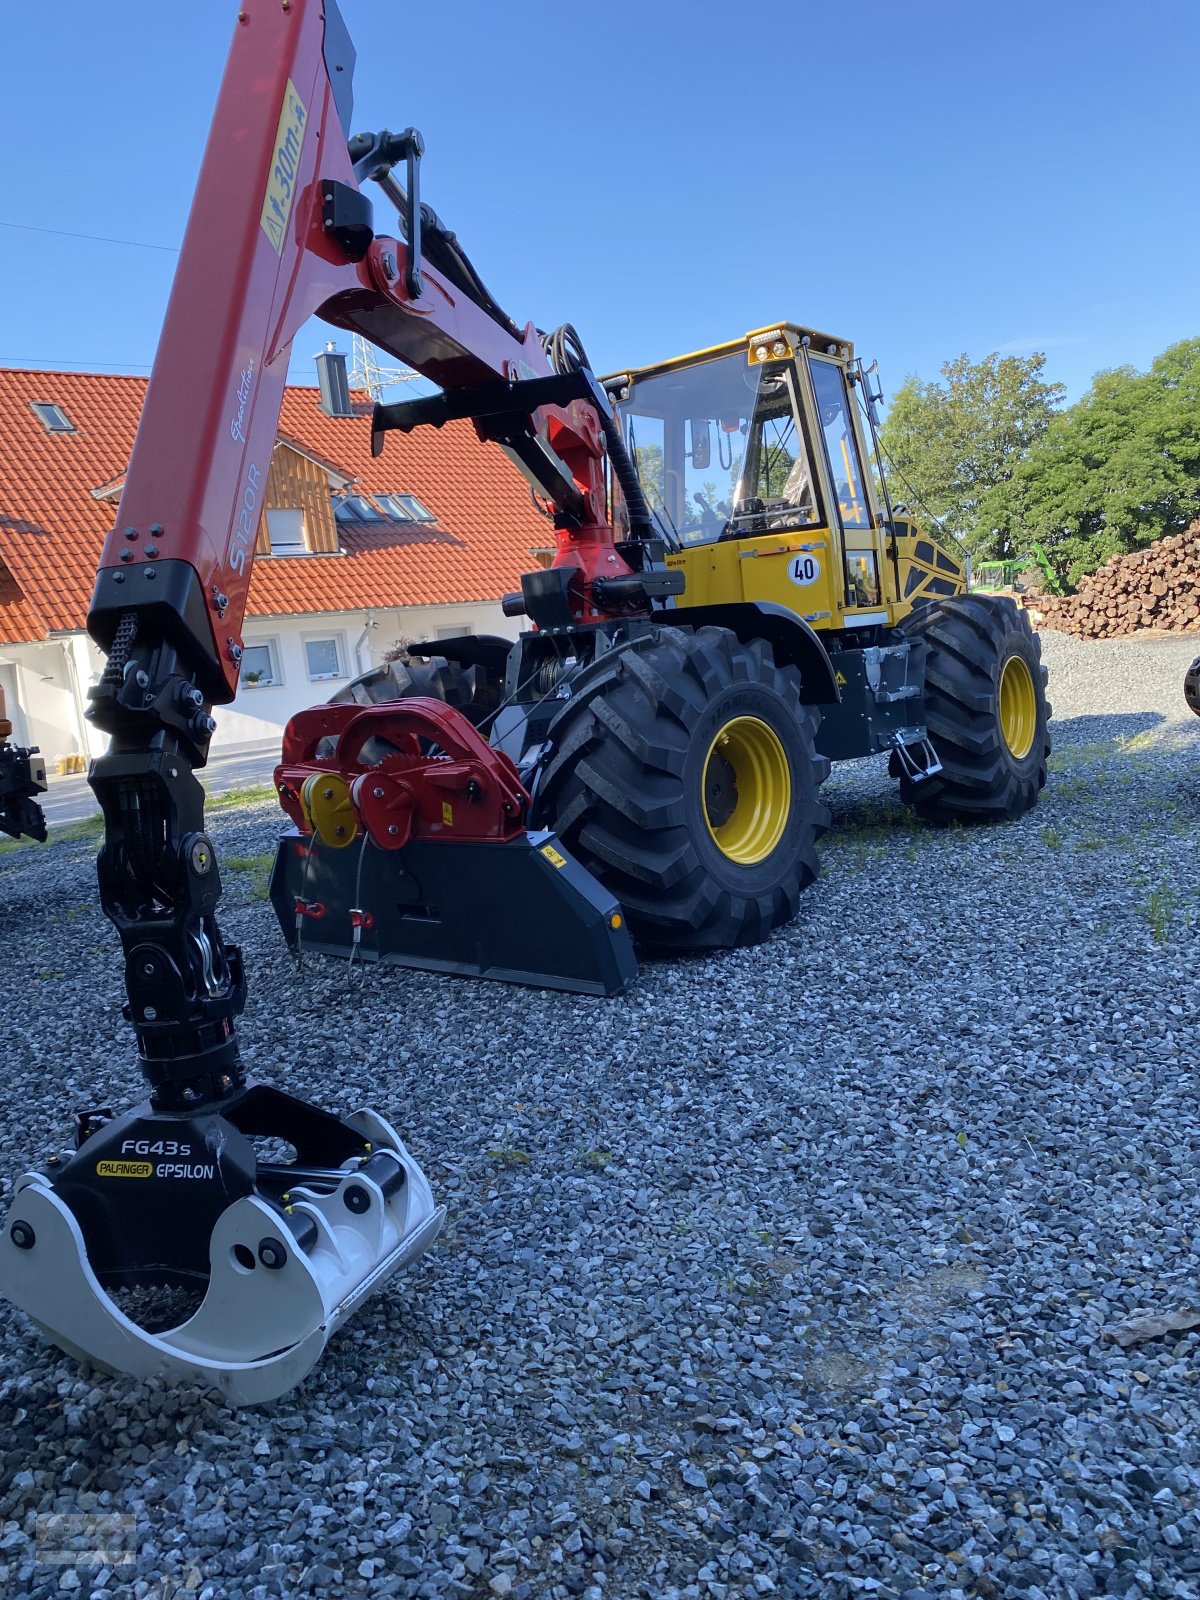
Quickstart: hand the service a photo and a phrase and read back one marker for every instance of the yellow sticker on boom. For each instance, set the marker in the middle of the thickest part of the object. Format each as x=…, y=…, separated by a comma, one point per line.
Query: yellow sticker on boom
x=447, y=814
x=285, y=168
x=125, y=1169
x=553, y=856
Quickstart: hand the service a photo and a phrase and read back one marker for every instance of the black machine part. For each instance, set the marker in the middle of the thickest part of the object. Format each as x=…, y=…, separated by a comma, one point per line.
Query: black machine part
x=451, y=909
x=22, y=779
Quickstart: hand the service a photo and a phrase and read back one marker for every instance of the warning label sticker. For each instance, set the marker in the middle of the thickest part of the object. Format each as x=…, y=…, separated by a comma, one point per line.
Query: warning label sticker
x=285, y=166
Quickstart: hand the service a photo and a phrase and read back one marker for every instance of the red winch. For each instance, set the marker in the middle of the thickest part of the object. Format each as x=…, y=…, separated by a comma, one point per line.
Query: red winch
x=405, y=770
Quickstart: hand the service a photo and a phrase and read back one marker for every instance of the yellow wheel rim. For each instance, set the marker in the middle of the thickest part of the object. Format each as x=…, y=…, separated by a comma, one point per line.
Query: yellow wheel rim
x=747, y=790
x=1018, y=707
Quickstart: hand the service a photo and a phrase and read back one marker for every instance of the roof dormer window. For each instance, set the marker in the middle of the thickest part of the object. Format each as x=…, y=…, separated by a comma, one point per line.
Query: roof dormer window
x=52, y=417
x=285, y=530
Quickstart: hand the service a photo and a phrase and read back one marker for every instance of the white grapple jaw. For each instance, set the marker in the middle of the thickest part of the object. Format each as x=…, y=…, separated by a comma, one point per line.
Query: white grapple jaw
x=264, y=1321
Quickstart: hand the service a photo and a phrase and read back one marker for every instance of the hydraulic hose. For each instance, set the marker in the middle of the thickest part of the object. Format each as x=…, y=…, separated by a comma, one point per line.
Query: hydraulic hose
x=565, y=350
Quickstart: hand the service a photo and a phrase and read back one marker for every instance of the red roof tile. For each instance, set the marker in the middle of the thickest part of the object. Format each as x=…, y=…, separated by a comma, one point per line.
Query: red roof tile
x=17, y=621
x=52, y=527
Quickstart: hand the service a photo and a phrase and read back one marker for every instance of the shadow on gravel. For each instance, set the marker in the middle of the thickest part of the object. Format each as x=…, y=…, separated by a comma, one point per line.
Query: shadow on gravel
x=1104, y=728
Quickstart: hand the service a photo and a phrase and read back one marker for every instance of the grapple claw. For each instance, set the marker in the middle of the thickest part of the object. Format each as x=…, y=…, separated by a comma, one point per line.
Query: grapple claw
x=281, y=1279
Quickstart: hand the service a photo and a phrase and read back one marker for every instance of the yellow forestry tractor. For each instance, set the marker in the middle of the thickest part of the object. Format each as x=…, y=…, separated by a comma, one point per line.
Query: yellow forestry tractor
x=783, y=614
x=727, y=610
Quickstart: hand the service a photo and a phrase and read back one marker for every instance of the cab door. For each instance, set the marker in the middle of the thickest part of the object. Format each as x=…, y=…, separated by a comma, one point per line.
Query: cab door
x=849, y=501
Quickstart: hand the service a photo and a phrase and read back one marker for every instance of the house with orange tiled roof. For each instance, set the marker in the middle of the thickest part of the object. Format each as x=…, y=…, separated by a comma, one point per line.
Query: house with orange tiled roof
x=354, y=553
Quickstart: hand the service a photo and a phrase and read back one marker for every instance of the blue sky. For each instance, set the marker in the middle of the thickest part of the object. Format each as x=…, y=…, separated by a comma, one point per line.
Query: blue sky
x=924, y=177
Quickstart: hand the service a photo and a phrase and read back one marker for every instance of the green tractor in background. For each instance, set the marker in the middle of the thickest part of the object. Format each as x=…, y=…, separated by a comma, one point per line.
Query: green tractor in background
x=1002, y=577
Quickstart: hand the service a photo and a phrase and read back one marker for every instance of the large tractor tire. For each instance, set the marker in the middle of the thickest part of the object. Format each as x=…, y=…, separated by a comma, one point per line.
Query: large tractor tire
x=466, y=689
x=985, y=708
x=1191, y=686
x=683, y=775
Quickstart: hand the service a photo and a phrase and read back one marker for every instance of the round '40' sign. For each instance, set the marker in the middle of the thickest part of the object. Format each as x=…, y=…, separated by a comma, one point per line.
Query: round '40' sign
x=803, y=570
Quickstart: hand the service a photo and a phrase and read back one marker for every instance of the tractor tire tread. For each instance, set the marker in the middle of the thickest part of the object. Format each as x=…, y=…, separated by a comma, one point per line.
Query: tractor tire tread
x=612, y=786
x=968, y=638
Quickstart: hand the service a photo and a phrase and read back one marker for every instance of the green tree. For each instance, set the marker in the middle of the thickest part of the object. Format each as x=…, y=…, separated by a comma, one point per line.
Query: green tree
x=955, y=444
x=1117, y=470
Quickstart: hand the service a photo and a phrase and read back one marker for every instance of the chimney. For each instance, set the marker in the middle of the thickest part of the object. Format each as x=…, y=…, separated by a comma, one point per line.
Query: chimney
x=335, y=385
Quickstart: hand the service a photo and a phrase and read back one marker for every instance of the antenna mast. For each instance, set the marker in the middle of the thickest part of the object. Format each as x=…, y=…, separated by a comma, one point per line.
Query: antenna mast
x=367, y=373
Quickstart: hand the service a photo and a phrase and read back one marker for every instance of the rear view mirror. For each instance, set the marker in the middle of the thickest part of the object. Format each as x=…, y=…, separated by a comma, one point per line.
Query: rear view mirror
x=700, y=429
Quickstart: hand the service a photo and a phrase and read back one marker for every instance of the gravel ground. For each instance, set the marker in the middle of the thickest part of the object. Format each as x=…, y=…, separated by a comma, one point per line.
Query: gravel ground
x=787, y=1273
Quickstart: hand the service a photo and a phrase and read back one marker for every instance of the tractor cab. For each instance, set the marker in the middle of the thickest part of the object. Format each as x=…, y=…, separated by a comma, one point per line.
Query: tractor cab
x=758, y=437
x=760, y=444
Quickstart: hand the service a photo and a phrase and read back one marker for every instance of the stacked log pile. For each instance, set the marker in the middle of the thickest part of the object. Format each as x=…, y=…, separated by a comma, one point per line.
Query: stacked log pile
x=1158, y=587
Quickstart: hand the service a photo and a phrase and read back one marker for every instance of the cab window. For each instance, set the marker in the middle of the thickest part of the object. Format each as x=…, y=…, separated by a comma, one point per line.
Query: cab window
x=862, y=577
x=841, y=442
x=720, y=449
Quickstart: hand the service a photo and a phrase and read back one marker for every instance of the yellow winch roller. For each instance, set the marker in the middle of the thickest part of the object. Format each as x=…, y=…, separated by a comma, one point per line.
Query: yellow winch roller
x=325, y=797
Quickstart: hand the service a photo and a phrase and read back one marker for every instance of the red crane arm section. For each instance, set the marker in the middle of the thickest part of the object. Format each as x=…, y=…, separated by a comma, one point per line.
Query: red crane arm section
x=258, y=260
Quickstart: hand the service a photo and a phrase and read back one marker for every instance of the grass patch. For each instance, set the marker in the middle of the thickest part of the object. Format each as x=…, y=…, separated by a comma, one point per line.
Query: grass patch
x=1146, y=740
x=743, y=1286
x=878, y=818
x=1078, y=755
x=89, y=828
x=1052, y=838
x=257, y=869
x=1160, y=909
x=596, y=1160
x=252, y=795
x=507, y=1156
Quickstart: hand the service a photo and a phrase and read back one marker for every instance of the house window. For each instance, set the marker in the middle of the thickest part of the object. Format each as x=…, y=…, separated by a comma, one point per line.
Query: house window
x=260, y=665
x=53, y=418
x=325, y=657
x=454, y=633
x=285, y=529
x=410, y=506
x=355, y=508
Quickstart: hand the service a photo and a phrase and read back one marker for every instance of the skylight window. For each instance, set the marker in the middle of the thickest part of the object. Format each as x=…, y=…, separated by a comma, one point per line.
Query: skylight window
x=394, y=506
x=355, y=508
x=53, y=418
x=407, y=505
x=352, y=508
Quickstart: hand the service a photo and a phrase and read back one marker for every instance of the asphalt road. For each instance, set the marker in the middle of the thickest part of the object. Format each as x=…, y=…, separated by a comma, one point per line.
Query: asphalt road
x=69, y=799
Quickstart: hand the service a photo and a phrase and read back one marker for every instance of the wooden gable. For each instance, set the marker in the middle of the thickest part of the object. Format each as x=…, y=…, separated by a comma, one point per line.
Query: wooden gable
x=296, y=483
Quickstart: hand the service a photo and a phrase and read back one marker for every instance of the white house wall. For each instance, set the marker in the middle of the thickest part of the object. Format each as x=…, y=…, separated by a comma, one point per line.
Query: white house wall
x=48, y=713
x=47, y=693
x=260, y=711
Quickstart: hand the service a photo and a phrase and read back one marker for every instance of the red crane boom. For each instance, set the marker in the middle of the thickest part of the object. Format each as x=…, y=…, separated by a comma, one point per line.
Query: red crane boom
x=171, y=1194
